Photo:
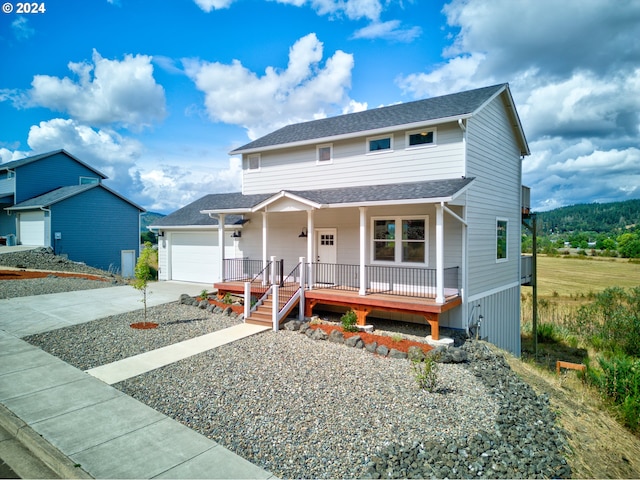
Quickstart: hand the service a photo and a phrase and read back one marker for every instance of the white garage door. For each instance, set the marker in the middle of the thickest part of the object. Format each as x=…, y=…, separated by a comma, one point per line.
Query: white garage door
x=32, y=228
x=194, y=256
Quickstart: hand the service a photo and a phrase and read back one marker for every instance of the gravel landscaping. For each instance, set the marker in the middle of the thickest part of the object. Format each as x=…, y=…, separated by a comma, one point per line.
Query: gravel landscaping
x=303, y=408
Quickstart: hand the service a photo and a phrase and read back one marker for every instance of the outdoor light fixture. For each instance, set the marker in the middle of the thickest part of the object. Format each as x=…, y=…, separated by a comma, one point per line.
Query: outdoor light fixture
x=236, y=234
x=303, y=233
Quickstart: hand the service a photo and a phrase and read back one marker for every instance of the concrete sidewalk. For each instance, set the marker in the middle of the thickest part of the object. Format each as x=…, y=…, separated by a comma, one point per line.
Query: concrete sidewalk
x=24, y=316
x=81, y=427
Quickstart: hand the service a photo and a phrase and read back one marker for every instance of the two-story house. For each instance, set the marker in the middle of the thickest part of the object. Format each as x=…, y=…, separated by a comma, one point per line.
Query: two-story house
x=410, y=211
x=56, y=200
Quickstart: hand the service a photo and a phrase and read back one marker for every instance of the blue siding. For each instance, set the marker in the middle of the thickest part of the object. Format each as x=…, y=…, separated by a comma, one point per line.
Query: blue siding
x=95, y=226
x=47, y=174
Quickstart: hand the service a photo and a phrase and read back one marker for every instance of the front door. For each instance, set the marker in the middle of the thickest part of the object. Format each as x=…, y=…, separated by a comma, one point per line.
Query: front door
x=326, y=255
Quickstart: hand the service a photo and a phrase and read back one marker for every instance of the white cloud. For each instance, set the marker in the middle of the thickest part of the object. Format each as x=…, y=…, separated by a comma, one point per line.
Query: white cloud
x=390, y=30
x=169, y=188
x=208, y=5
x=106, y=92
x=353, y=9
x=304, y=90
x=573, y=73
x=21, y=28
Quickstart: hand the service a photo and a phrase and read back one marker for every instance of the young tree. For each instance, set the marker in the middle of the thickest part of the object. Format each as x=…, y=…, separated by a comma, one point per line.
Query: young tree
x=144, y=272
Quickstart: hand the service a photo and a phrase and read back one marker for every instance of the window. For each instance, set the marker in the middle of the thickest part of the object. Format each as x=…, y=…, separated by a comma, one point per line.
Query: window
x=89, y=180
x=324, y=154
x=409, y=246
x=421, y=138
x=379, y=144
x=253, y=162
x=501, y=240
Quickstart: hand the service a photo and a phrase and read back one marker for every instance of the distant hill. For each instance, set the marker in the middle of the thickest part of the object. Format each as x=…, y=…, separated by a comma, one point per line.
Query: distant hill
x=591, y=217
x=148, y=218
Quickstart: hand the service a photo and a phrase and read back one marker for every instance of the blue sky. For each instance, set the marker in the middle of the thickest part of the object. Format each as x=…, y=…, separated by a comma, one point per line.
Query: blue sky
x=155, y=94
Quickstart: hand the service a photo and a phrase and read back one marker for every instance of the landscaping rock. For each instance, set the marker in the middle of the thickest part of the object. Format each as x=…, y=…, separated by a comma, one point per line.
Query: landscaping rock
x=292, y=326
x=397, y=354
x=227, y=311
x=184, y=299
x=371, y=347
x=305, y=327
x=353, y=341
x=336, y=336
x=382, y=351
x=319, y=334
x=203, y=304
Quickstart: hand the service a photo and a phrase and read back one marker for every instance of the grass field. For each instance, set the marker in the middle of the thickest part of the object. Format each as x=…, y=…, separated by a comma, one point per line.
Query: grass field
x=566, y=277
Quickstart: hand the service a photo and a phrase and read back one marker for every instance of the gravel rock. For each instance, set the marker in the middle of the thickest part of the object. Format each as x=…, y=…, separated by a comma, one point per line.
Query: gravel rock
x=301, y=408
x=44, y=259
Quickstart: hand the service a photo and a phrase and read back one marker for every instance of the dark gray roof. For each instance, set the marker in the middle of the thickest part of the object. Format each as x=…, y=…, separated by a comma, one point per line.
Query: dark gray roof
x=447, y=106
x=190, y=215
x=24, y=161
x=393, y=192
x=62, y=193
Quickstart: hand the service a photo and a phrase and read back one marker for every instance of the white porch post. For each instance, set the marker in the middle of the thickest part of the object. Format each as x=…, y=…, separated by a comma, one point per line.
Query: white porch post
x=264, y=244
x=363, y=251
x=302, y=286
x=221, y=218
x=439, y=253
x=274, y=308
x=310, y=245
x=247, y=300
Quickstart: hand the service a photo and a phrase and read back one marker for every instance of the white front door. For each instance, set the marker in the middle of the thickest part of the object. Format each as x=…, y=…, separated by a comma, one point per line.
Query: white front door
x=326, y=254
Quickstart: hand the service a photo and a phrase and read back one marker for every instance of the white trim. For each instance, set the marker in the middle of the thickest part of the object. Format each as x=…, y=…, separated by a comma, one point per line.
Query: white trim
x=397, y=219
x=378, y=137
x=493, y=291
x=424, y=131
x=320, y=147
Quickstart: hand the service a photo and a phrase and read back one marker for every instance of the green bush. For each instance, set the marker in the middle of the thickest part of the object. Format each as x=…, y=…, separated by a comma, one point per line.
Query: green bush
x=426, y=372
x=349, y=321
x=619, y=382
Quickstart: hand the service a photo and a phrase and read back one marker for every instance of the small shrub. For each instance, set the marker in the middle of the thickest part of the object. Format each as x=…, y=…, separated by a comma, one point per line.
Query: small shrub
x=546, y=333
x=227, y=298
x=204, y=295
x=426, y=372
x=396, y=337
x=349, y=321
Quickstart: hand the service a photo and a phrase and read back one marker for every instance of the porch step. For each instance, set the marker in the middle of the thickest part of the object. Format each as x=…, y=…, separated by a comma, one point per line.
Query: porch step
x=263, y=314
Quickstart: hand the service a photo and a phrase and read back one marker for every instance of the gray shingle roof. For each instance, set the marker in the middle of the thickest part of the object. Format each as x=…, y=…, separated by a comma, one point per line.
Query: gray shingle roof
x=24, y=161
x=381, y=193
x=190, y=215
x=447, y=106
x=62, y=193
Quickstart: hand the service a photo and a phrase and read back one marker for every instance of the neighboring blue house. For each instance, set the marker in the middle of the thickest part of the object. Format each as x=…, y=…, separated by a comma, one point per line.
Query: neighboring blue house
x=56, y=200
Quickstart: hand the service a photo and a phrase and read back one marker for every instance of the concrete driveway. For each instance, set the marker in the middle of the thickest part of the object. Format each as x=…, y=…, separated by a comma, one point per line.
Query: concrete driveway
x=24, y=316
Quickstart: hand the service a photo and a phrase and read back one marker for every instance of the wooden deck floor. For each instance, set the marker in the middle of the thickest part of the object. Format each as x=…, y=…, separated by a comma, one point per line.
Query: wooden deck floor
x=363, y=305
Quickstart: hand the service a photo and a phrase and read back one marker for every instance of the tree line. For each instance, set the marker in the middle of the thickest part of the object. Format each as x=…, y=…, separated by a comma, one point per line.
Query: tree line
x=609, y=229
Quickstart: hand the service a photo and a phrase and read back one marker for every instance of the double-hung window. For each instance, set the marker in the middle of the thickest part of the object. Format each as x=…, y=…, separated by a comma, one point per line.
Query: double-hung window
x=501, y=239
x=400, y=240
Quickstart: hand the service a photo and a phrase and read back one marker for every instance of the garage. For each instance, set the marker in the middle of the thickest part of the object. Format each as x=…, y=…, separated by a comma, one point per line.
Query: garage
x=31, y=228
x=194, y=256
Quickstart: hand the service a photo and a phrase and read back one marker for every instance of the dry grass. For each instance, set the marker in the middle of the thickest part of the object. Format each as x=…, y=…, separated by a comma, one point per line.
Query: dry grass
x=562, y=277
x=601, y=447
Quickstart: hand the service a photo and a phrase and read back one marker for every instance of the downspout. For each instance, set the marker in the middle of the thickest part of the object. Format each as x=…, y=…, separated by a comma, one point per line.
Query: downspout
x=48, y=210
x=465, y=233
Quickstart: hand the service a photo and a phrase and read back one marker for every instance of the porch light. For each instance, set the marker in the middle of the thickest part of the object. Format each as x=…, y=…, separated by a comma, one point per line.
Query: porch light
x=236, y=234
x=303, y=233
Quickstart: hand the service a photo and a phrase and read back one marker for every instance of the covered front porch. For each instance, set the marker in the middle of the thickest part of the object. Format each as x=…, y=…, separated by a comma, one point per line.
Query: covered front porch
x=385, y=248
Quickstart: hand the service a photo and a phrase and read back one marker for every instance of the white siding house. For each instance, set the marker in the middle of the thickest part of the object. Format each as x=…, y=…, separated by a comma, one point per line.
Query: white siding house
x=410, y=211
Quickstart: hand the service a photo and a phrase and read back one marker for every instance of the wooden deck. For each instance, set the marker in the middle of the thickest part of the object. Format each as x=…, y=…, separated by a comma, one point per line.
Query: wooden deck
x=363, y=305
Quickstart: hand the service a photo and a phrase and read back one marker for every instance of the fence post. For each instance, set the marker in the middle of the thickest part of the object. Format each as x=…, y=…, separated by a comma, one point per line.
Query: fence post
x=247, y=300
x=302, y=287
x=275, y=307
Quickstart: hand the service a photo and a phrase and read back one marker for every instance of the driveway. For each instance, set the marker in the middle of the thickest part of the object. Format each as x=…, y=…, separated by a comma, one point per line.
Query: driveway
x=24, y=316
